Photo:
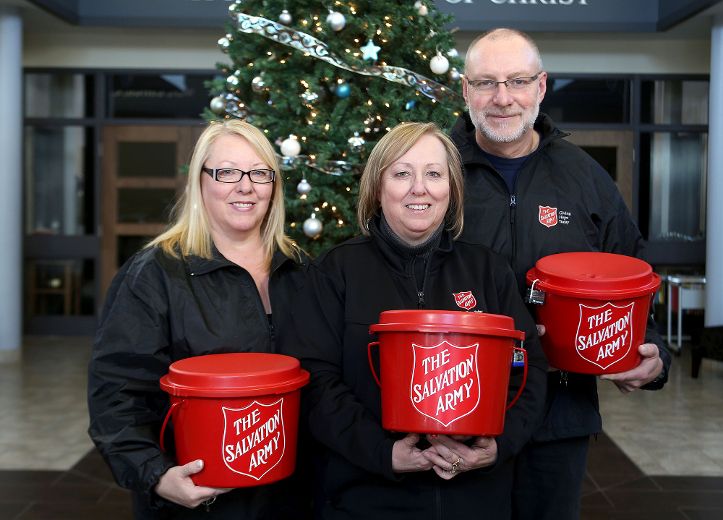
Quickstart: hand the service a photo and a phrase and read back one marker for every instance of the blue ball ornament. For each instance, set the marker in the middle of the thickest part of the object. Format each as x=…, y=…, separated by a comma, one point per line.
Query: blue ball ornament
x=410, y=104
x=343, y=91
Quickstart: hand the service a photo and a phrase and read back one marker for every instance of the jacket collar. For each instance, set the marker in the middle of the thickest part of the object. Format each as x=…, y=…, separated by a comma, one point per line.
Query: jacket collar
x=463, y=134
x=200, y=266
x=398, y=261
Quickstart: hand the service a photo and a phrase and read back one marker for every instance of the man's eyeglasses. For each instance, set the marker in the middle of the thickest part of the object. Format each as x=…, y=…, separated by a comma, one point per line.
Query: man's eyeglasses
x=262, y=176
x=489, y=85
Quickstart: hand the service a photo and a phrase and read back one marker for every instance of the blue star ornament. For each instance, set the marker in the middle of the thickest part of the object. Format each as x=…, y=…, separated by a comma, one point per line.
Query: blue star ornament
x=370, y=51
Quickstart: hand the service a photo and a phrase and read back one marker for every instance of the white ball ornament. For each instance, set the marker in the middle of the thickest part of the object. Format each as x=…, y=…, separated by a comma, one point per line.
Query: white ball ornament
x=336, y=20
x=452, y=53
x=303, y=187
x=312, y=226
x=421, y=7
x=439, y=64
x=285, y=17
x=290, y=147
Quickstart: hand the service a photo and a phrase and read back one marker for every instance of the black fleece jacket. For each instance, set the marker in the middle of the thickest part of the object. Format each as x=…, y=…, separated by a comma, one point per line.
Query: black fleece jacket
x=591, y=216
x=347, y=288
x=160, y=309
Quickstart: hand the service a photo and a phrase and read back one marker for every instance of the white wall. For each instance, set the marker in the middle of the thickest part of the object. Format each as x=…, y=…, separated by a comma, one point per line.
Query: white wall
x=124, y=48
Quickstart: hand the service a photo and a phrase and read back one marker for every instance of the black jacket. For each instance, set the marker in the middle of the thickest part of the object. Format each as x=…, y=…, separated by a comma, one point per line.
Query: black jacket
x=591, y=216
x=347, y=289
x=158, y=310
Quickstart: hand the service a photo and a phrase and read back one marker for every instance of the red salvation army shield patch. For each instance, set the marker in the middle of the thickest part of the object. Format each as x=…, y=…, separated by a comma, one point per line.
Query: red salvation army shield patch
x=465, y=300
x=445, y=381
x=604, y=334
x=254, y=438
x=547, y=216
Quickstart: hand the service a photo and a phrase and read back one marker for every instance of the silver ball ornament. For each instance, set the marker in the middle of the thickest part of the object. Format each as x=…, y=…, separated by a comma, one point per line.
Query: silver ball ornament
x=454, y=74
x=303, y=187
x=356, y=143
x=452, y=53
x=439, y=64
x=312, y=227
x=218, y=105
x=336, y=20
x=258, y=84
x=285, y=17
x=233, y=81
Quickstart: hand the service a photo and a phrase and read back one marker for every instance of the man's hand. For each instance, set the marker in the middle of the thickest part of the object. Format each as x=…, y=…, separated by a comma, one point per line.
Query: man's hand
x=649, y=368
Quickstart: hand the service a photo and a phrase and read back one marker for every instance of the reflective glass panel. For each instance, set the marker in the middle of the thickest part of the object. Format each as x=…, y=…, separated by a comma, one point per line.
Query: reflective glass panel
x=144, y=159
x=58, y=180
x=167, y=96
x=145, y=205
x=60, y=287
x=570, y=100
x=678, y=164
x=58, y=95
x=675, y=102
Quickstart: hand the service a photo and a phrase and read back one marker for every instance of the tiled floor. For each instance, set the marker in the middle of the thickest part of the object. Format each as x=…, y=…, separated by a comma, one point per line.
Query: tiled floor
x=670, y=465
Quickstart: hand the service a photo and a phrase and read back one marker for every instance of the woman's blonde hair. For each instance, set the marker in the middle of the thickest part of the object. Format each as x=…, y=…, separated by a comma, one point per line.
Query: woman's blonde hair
x=190, y=234
x=391, y=147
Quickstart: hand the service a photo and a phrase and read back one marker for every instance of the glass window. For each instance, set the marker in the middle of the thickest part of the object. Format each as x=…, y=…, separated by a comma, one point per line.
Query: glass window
x=675, y=102
x=677, y=184
x=570, y=100
x=168, y=96
x=60, y=287
x=58, y=95
x=147, y=159
x=58, y=180
x=145, y=205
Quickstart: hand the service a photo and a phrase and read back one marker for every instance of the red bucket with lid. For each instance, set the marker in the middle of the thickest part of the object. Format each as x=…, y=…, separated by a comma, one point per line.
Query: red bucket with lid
x=239, y=412
x=594, y=307
x=445, y=371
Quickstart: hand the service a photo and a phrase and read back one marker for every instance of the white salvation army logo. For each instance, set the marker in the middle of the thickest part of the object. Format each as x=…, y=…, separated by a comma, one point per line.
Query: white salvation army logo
x=445, y=382
x=254, y=438
x=604, y=334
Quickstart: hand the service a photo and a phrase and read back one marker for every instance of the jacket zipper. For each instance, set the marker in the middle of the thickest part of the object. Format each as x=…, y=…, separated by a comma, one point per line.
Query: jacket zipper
x=513, y=210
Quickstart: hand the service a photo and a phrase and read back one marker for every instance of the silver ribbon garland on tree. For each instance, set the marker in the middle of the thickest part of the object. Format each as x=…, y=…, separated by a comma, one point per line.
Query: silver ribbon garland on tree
x=318, y=49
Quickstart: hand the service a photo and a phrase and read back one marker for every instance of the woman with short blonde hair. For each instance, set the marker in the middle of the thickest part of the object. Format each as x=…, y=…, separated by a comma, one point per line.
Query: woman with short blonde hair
x=393, y=145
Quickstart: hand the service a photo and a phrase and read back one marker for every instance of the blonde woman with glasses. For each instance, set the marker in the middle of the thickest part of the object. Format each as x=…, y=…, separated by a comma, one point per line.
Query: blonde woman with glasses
x=220, y=279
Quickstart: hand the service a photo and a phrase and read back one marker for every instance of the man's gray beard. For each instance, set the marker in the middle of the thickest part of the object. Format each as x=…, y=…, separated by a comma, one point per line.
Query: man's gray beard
x=490, y=134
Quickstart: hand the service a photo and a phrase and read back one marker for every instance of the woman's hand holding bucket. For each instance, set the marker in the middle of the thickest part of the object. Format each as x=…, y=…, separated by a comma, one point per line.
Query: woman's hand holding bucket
x=407, y=457
x=450, y=455
x=176, y=486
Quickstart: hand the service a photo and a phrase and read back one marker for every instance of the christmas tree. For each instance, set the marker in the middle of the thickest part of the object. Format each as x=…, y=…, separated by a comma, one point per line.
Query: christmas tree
x=325, y=80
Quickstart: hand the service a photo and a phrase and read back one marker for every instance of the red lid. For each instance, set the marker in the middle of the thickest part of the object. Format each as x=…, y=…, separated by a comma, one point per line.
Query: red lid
x=436, y=321
x=234, y=375
x=601, y=275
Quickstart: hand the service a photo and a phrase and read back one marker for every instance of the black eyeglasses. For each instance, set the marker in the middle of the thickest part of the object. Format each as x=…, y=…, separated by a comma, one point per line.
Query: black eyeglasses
x=230, y=175
x=489, y=85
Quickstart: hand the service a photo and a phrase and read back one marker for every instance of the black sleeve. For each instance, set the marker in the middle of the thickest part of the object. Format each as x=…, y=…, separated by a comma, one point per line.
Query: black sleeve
x=622, y=236
x=526, y=414
x=336, y=418
x=125, y=402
